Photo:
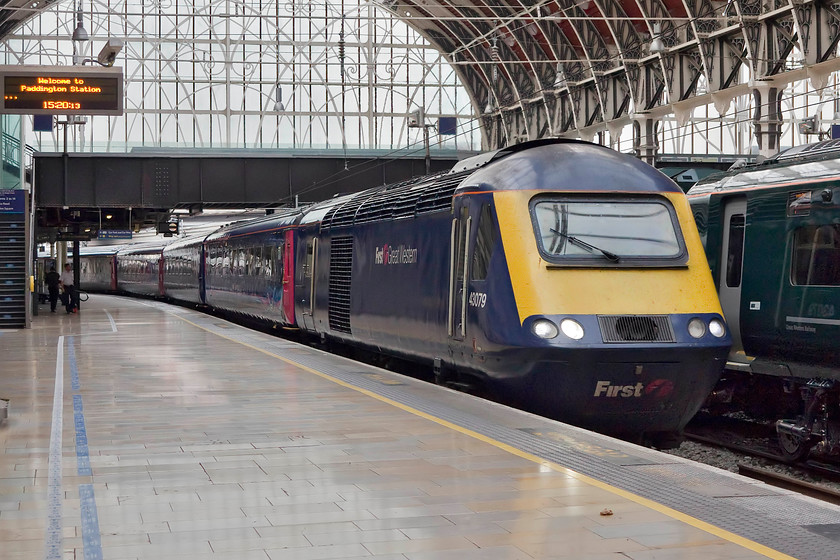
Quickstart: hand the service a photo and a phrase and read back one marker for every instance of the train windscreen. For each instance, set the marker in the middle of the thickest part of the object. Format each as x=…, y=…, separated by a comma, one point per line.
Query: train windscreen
x=642, y=232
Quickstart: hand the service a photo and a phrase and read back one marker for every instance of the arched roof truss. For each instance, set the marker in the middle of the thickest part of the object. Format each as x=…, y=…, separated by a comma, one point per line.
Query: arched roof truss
x=578, y=67
x=537, y=68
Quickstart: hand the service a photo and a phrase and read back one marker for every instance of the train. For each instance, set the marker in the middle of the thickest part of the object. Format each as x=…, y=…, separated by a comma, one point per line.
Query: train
x=559, y=276
x=772, y=237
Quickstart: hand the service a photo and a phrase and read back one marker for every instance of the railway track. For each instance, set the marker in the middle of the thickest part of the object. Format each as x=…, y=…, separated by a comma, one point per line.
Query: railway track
x=757, y=441
x=790, y=483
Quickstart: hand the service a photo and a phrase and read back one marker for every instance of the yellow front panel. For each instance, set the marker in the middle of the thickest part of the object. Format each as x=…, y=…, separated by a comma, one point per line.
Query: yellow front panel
x=540, y=290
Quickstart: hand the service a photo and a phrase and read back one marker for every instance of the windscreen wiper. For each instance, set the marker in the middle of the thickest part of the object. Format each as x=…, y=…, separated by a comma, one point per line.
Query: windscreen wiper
x=612, y=257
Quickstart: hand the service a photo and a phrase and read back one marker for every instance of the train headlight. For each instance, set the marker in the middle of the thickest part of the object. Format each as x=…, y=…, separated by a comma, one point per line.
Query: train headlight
x=717, y=328
x=696, y=328
x=544, y=328
x=571, y=328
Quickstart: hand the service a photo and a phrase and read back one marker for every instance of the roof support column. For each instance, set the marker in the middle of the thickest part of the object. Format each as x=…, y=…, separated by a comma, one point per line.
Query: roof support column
x=767, y=118
x=645, y=143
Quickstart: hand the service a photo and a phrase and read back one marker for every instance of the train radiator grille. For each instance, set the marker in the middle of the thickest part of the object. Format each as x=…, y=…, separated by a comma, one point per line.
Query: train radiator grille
x=341, y=266
x=636, y=328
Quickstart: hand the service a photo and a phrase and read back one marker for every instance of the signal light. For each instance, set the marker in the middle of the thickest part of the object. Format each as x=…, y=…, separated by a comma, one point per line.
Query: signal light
x=168, y=229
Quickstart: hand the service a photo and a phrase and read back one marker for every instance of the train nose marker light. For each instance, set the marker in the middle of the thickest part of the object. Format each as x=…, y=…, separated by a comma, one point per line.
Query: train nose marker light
x=717, y=328
x=544, y=328
x=571, y=328
x=696, y=328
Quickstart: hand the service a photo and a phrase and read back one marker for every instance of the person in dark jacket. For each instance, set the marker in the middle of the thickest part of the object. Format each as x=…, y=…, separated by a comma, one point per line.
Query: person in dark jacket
x=53, y=279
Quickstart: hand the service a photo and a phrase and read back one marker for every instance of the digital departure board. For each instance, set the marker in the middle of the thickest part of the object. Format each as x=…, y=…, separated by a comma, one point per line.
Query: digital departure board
x=51, y=90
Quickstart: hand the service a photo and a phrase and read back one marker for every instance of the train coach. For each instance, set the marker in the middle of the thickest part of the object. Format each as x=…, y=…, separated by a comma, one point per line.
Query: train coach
x=560, y=276
x=98, y=268
x=772, y=236
x=140, y=269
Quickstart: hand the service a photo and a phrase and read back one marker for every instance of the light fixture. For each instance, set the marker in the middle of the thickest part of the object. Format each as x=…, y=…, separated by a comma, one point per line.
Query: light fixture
x=544, y=328
x=656, y=44
x=572, y=329
x=717, y=328
x=696, y=327
x=80, y=34
x=560, y=77
x=490, y=108
x=278, y=103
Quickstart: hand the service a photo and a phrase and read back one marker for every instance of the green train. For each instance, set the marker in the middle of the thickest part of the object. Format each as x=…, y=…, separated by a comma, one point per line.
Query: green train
x=772, y=238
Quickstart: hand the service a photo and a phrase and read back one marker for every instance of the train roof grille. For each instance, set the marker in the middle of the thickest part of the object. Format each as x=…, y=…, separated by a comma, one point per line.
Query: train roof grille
x=439, y=197
x=400, y=200
x=818, y=148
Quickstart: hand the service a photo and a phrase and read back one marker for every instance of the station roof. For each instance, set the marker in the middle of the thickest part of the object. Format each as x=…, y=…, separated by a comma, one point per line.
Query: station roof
x=547, y=67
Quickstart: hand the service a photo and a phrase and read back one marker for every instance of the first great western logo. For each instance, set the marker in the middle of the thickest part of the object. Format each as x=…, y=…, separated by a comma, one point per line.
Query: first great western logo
x=401, y=254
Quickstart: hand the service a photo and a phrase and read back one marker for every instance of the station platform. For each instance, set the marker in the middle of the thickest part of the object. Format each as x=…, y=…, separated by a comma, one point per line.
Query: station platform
x=140, y=430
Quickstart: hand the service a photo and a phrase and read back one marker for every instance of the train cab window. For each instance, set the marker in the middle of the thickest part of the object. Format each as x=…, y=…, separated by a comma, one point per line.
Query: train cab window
x=485, y=240
x=735, y=253
x=816, y=256
x=641, y=231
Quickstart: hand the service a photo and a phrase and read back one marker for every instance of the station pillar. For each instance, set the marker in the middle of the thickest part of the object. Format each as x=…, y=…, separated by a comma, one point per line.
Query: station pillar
x=645, y=142
x=767, y=118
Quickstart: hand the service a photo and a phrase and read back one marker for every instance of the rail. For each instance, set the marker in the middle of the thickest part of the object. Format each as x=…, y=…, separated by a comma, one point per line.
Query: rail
x=789, y=483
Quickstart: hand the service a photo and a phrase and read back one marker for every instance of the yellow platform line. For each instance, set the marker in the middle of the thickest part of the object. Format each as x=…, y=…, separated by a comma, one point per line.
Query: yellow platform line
x=687, y=519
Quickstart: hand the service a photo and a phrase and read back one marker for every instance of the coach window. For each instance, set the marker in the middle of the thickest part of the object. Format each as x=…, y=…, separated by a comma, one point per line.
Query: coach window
x=816, y=256
x=735, y=255
x=485, y=240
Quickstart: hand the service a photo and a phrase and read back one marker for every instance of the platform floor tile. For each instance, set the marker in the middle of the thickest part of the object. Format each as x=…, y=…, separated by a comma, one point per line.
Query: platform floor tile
x=203, y=446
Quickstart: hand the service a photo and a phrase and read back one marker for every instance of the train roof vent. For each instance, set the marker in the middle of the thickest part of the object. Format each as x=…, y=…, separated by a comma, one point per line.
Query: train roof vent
x=405, y=204
x=439, y=194
x=382, y=206
x=635, y=328
x=345, y=214
x=827, y=147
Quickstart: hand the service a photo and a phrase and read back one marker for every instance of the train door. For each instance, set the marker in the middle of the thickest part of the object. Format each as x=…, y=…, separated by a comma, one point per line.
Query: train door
x=112, y=263
x=731, y=267
x=289, y=277
x=160, y=271
x=458, y=277
x=307, y=284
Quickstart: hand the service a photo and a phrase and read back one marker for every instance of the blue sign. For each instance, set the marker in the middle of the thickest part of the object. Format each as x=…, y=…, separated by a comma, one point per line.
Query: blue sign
x=835, y=131
x=42, y=123
x=12, y=202
x=114, y=234
x=447, y=126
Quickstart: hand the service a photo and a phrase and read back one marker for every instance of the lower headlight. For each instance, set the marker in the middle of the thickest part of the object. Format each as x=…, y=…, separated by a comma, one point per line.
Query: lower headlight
x=572, y=329
x=717, y=328
x=696, y=328
x=544, y=328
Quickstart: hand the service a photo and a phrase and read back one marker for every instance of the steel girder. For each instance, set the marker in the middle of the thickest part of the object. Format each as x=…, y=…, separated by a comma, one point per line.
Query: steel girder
x=537, y=68
x=579, y=67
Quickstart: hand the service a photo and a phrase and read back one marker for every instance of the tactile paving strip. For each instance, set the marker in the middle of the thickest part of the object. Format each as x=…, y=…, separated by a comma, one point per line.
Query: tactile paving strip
x=774, y=519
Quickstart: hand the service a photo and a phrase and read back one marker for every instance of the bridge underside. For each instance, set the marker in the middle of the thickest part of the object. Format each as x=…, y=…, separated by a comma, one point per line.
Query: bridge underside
x=78, y=192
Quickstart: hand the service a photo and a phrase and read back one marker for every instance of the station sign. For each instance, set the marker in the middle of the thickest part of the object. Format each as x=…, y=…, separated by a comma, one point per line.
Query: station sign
x=114, y=234
x=50, y=90
x=12, y=201
x=69, y=236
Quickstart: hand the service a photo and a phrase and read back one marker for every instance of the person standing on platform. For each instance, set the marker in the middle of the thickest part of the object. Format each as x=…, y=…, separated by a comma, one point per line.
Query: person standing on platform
x=67, y=282
x=53, y=280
